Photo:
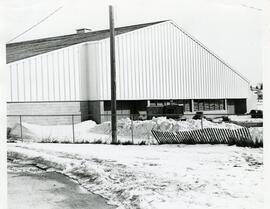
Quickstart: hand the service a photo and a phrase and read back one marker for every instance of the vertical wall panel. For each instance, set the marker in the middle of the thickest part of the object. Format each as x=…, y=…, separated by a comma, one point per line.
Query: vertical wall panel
x=144, y=64
x=44, y=64
x=27, y=81
x=51, y=82
x=52, y=76
x=61, y=75
x=77, y=71
x=91, y=71
x=117, y=65
x=180, y=56
x=21, y=82
x=10, y=89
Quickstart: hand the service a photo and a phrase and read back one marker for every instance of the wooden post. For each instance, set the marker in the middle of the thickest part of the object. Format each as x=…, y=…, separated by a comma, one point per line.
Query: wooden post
x=202, y=131
x=21, y=127
x=73, y=133
x=132, y=129
x=113, y=77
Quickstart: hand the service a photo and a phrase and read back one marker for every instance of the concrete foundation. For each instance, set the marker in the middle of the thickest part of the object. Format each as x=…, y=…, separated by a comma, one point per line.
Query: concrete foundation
x=99, y=111
x=46, y=108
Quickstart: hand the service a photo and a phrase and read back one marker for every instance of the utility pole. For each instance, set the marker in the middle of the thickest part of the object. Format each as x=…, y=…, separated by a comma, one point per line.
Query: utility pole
x=113, y=77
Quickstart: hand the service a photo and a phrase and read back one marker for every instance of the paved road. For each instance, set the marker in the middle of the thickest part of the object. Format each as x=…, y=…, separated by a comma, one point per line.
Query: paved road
x=32, y=188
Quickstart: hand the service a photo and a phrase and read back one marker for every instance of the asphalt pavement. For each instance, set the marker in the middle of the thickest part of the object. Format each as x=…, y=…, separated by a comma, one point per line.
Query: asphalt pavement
x=32, y=188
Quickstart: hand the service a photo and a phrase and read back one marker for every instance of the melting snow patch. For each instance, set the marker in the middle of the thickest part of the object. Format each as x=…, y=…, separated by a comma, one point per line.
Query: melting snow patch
x=157, y=177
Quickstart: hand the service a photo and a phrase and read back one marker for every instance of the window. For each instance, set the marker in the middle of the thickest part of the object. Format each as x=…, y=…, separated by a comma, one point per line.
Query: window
x=209, y=104
x=187, y=105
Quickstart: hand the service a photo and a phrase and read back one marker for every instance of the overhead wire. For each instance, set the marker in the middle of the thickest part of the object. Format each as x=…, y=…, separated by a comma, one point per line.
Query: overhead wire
x=33, y=26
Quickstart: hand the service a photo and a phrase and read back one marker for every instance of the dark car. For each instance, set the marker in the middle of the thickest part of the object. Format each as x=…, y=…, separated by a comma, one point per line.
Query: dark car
x=174, y=111
x=256, y=113
x=198, y=116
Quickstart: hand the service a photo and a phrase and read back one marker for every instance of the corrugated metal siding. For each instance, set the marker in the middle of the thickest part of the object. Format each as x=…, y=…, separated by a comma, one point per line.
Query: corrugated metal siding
x=155, y=62
x=162, y=62
x=53, y=76
x=93, y=66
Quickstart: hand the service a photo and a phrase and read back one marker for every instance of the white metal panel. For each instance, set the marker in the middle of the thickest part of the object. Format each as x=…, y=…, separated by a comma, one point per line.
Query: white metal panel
x=52, y=76
x=21, y=81
x=40, y=79
x=163, y=62
x=77, y=70
x=93, y=75
x=27, y=80
x=10, y=95
x=45, y=78
x=56, y=68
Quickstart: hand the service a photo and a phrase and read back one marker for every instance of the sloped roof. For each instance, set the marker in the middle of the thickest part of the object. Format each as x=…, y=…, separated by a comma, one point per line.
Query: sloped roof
x=21, y=50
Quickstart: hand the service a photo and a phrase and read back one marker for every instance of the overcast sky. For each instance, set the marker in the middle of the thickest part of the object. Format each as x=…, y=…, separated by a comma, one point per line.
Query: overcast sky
x=232, y=29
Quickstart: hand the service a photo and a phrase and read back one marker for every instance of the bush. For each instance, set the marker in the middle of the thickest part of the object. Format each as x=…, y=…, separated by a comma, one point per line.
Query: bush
x=142, y=143
x=95, y=142
x=127, y=143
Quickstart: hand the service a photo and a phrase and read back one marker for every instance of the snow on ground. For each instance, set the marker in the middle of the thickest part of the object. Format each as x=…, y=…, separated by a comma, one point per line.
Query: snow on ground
x=89, y=131
x=245, y=118
x=259, y=105
x=155, y=177
x=141, y=128
x=49, y=133
x=256, y=133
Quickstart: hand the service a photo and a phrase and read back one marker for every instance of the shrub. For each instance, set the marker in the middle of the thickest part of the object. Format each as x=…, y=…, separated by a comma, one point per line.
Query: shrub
x=96, y=142
x=127, y=143
x=142, y=143
x=65, y=142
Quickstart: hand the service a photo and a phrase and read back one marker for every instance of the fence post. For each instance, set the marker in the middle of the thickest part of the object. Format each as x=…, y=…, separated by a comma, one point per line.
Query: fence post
x=202, y=129
x=21, y=128
x=73, y=134
x=132, y=129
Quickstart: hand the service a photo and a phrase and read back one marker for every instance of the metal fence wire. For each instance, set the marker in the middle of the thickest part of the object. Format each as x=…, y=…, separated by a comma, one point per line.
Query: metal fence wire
x=203, y=135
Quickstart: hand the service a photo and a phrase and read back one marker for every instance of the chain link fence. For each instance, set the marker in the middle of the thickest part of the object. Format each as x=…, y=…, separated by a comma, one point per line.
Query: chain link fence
x=132, y=128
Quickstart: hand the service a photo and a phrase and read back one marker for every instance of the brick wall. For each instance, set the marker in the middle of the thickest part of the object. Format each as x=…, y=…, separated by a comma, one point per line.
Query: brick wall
x=48, y=108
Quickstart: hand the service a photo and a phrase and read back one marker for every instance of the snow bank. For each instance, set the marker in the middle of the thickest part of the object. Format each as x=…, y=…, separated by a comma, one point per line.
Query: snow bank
x=163, y=124
x=245, y=118
x=39, y=133
x=256, y=133
x=142, y=129
x=157, y=177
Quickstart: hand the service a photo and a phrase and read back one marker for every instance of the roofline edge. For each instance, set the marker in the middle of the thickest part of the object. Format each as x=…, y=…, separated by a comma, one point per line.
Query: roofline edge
x=210, y=51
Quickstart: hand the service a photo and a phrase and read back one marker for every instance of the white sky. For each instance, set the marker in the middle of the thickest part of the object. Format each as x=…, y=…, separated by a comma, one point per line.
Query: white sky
x=232, y=29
